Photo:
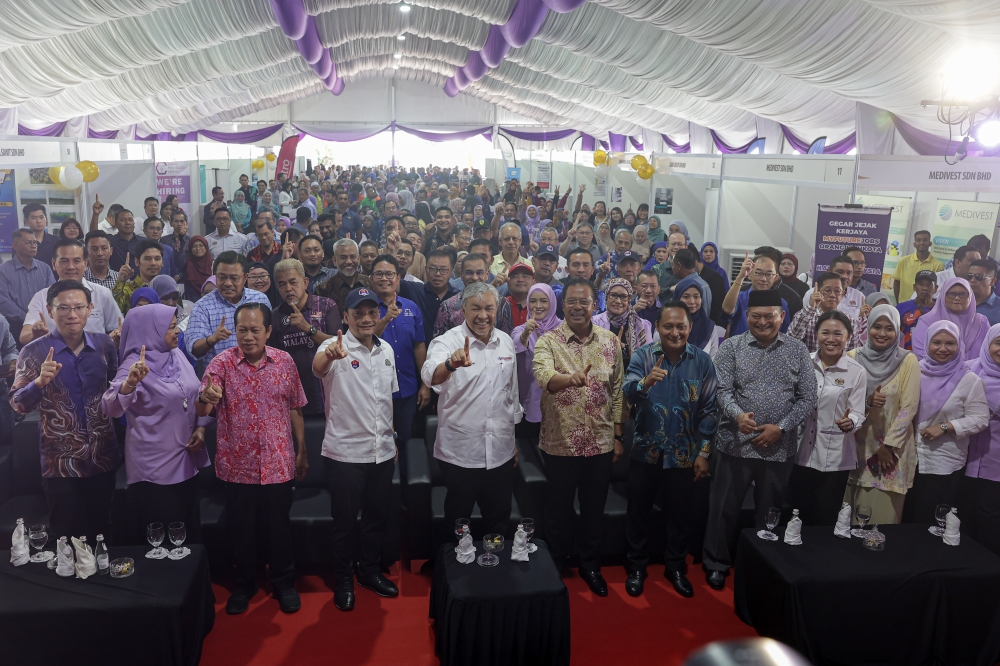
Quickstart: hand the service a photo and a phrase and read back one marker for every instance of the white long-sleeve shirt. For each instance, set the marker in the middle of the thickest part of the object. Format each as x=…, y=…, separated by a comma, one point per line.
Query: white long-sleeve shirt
x=850, y=304
x=479, y=405
x=823, y=446
x=968, y=412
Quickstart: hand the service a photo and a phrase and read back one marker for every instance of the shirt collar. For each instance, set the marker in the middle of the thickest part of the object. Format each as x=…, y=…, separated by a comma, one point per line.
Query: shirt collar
x=570, y=335
x=472, y=336
x=841, y=363
x=241, y=358
x=34, y=264
x=658, y=349
x=354, y=343
x=58, y=344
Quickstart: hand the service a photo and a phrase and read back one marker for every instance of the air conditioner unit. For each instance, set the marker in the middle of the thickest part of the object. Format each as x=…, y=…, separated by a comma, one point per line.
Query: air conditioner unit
x=733, y=256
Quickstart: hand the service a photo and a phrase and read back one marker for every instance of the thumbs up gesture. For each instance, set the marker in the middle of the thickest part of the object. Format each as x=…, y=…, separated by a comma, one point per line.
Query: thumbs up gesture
x=877, y=398
x=212, y=393
x=462, y=358
x=48, y=371
x=655, y=376
x=335, y=351
x=846, y=424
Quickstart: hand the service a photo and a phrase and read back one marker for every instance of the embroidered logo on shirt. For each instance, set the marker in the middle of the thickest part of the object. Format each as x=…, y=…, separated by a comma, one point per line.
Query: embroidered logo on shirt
x=505, y=358
x=355, y=365
x=838, y=382
x=388, y=363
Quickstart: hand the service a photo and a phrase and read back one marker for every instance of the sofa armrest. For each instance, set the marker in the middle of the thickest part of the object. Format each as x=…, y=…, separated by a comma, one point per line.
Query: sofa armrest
x=417, y=498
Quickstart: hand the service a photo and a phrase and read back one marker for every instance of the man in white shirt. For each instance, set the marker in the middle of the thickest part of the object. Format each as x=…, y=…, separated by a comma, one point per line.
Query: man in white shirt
x=223, y=238
x=359, y=377
x=69, y=259
x=853, y=300
x=471, y=368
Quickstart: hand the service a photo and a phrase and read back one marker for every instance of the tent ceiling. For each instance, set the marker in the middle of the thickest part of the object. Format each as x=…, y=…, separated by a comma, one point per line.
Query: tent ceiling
x=610, y=65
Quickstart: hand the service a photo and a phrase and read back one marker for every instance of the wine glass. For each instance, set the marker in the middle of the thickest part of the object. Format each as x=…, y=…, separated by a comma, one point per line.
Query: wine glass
x=154, y=535
x=492, y=543
x=528, y=525
x=177, y=533
x=38, y=536
x=941, y=512
x=773, y=516
x=462, y=528
x=863, y=513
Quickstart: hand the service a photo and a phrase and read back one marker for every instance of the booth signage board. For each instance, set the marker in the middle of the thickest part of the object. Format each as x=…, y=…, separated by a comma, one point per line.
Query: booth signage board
x=174, y=178
x=693, y=165
x=100, y=151
x=793, y=170
x=8, y=208
x=928, y=174
x=838, y=227
x=30, y=152
x=543, y=175
x=958, y=221
x=898, y=222
x=514, y=173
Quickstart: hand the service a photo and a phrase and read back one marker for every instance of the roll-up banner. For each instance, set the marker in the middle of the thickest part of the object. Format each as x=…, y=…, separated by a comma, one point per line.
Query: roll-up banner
x=837, y=227
x=958, y=221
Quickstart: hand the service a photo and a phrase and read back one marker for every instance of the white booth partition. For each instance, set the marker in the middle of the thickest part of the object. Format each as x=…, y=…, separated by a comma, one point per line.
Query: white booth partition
x=685, y=188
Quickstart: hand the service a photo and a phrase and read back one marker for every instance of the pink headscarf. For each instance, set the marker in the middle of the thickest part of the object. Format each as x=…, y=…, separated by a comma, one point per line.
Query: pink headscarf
x=548, y=323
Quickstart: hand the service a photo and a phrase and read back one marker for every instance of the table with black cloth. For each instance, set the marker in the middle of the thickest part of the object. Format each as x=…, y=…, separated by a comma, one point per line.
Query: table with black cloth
x=919, y=601
x=512, y=613
x=158, y=615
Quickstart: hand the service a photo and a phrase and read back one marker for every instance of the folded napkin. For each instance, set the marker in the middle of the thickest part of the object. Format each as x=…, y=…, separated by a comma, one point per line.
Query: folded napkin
x=843, y=527
x=519, y=551
x=86, y=563
x=19, y=553
x=793, y=530
x=184, y=552
x=64, y=558
x=466, y=552
x=951, y=525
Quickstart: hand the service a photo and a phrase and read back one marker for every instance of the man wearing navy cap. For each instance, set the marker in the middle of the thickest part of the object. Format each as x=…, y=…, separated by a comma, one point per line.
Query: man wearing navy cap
x=628, y=265
x=359, y=450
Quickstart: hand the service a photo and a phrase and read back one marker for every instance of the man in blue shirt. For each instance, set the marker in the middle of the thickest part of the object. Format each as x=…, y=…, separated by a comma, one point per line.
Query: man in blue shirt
x=982, y=278
x=21, y=278
x=402, y=326
x=673, y=387
x=437, y=289
x=763, y=273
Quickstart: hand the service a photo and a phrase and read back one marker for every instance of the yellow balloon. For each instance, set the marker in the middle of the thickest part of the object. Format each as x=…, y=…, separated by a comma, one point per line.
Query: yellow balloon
x=257, y=165
x=89, y=170
x=271, y=157
x=638, y=161
x=54, y=174
x=600, y=157
x=646, y=171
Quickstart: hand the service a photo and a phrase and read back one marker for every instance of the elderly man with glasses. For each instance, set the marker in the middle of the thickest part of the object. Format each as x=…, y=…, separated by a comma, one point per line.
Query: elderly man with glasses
x=763, y=273
x=474, y=268
x=825, y=297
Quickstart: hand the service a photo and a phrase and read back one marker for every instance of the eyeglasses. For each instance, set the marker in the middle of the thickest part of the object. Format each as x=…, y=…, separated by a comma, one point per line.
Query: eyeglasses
x=831, y=292
x=438, y=270
x=65, y=309
x=957, y=297
x=977, y=277
x=478, y=274
x=762, y=274
x=259, y=277
x=858, y=263
x=384, y=275
x=617, y=297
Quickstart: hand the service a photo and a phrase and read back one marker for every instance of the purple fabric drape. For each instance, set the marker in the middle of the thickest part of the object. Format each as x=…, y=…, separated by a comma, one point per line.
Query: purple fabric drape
x=926, y=143
x=588, y=143
x=496, y=47
x=676, y=147
x=726, y=149
x=605, y=145
x=842, y=147
x=249, y=136
x=55, y=129
x=442, y=136
x=539, y=136
x=300, y=27
x=98, y=134
x=635, y=143
x=475, y=68
x=162, y=136
x=291, y=16
x=617, y=142
x=563, y=6
x=342, y=137
x=524, y=22
x=450, y=87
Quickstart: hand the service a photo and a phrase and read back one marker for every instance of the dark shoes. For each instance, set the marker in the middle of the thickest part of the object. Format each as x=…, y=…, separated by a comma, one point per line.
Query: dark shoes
x=716, y=579
x=595, y=581
x=681, y=583
x=343, y=595
x=288, y=600
x=635, y=583
x=381, y=586
x=239, y=600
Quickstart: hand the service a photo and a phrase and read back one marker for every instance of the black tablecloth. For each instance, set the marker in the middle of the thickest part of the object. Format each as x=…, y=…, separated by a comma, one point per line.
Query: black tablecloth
x=513, y=613
x=918, y=601
x=158, y=615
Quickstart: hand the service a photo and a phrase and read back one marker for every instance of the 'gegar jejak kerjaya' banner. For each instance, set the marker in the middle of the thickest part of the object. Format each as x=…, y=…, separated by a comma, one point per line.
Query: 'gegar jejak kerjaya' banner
x=837, y=227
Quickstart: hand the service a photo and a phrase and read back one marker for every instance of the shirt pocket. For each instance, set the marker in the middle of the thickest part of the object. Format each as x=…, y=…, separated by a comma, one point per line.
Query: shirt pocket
x=690, y=391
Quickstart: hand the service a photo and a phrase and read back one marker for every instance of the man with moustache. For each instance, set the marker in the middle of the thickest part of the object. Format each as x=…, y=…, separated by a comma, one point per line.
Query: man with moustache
x=347, y=260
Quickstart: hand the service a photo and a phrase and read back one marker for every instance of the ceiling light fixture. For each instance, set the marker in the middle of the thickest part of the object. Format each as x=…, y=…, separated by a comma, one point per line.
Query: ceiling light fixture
x=403, y=7
x=397, y=56
x=401, y=38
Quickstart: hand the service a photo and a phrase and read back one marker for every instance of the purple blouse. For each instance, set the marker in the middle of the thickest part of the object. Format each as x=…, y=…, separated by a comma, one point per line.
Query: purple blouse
x=984, y=452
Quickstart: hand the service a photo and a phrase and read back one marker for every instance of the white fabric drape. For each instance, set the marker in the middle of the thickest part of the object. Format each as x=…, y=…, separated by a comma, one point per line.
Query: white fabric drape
x=770, y=131
x=701, y=140
x=875, y=130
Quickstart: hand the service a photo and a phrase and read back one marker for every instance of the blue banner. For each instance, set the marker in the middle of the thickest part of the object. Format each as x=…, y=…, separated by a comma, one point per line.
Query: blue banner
x=8, y=208
x=514, y=173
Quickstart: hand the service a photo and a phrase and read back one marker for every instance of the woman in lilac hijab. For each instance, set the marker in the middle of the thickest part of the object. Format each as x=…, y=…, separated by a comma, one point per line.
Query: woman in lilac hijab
x=956, y=304
x=542, y=317
x=156, y=389
x=981, y=483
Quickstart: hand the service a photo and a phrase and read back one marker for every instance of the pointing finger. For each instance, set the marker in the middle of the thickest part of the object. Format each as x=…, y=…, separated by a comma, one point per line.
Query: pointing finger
x=847, y=413
x=208, y=385
x=587, y=371
x=223, y=324
x=466, y=346
x=49, y=357
x=119, y=323
x=142, y=355
x=97, y=198
x=127, y=256
x=340, y=338
x=659, y=362
x=296, y=309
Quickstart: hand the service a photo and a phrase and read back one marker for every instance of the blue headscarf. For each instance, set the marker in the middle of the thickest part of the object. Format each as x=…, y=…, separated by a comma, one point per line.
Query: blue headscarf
x=714, y=265
x=652, y=255
x=144, y=292
x=682, y=227
x=702, y=328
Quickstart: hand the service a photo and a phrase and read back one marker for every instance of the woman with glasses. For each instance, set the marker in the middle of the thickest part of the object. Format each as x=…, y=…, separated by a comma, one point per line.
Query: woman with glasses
x=259, y=279
x=788, y=269
x=981, y=484
x=957, y=305
x=952, y=408
x=632, y=330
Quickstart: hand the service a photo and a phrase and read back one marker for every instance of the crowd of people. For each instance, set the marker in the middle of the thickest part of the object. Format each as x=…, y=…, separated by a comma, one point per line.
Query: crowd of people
x=373, y=296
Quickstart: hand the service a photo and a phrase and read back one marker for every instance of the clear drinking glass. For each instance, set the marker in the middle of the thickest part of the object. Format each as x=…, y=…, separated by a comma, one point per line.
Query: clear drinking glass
x=177, y=533
x=492, y=543
x=528, y=525
x=461, y=528
x=941, y=512
x=154, y=535
x=38, y=536
x=773, y=517
x=863, y=513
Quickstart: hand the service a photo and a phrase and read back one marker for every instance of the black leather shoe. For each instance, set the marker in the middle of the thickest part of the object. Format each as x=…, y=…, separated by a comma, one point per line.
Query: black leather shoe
x=381, y=586
x=682, y=584
x=239, y=600
x=716, y=580
x=288, y=600
x=343, y=595
x=634, y=584
x=595, y=581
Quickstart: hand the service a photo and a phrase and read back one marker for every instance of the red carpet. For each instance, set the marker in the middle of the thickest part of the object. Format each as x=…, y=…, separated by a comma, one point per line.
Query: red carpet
x=660, y=627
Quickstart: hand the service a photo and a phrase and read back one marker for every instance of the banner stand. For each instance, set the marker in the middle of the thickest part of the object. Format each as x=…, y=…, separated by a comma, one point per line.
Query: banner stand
x=839, y=226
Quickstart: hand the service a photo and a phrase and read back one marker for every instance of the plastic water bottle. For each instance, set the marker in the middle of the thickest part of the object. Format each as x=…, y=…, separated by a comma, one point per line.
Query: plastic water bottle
x=101, y=551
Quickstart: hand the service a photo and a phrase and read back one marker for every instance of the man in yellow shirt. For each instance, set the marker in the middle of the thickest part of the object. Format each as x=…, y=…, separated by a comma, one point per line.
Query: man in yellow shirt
x=911, y=264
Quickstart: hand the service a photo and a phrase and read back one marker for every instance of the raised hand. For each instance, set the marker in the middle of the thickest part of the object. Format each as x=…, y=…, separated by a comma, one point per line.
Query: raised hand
x=846, y=424
x=747, y=268
x=815, y=298
x=500, y=279
x=40, y=327
x=530, y=327
x=865, y=309
x=655, y=376
x=212, y=393
x=604, y=268
x=221, y=333
x=138, y=370
x=287, y=250
x=335, y=351
x=125, y=273
x=579, y=379
x=391, y=312
x=878, y=398
x=97, y=207
x=462, y=358
x=534, y=247
x=746, y=423
x=48, y=371
x=116, y=335
x=298, y=320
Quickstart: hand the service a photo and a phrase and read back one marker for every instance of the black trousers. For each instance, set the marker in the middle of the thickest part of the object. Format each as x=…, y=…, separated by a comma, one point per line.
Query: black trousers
x=80, y=506
x=980, y=511
x=733, y=477
x=491, y=489
x=585, y=478
x=817, y=495
x=364, y=488
x=927, y=492
x=260, y=513
x=155, y=503
x=682, y=497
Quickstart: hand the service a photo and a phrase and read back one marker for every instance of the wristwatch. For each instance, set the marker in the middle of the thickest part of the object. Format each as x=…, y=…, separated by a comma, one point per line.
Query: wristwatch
x=313, y=331
x=945, y=427
x=619, y=439
x=639, y=387
x=448, y=366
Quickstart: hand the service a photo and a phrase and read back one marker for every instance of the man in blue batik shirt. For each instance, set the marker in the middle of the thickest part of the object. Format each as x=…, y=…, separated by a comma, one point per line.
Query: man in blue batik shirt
x=672, y=384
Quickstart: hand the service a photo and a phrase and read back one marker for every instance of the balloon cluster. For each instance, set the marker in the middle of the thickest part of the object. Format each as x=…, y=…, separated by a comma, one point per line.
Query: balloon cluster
x=72, y=177
x=643, y=167
x=257, y=165
x=271, y=157
x=601, y=160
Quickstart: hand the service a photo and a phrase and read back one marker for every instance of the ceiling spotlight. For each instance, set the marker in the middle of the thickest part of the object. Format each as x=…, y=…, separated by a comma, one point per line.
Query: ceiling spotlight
x=963, y=150
x=401, y=38
x=395, y=66
x=988, y=133
x=397, y=56
x=972, y=73
x=235, y=127
x=403, y=7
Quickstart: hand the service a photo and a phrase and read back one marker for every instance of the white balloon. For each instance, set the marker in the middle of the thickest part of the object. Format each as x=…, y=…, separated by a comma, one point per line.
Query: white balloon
x=601, y=170
x=70, y=177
